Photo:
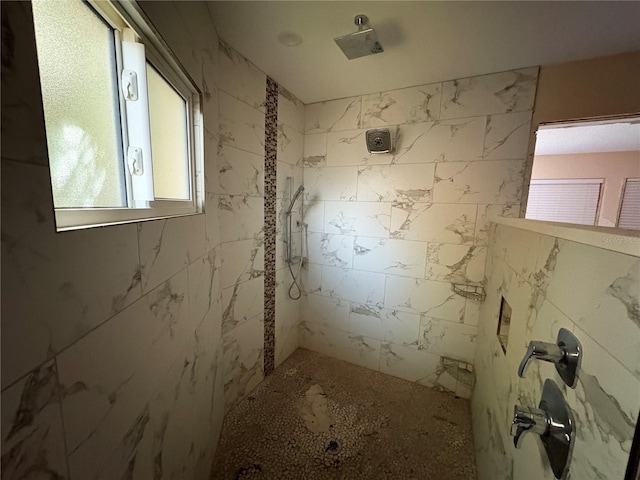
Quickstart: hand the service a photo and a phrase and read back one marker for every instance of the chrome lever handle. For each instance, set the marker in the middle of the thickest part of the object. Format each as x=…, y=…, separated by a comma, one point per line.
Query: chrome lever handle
x=565, y=354
x=553, y=422
x=528, y=419
x=547, y=352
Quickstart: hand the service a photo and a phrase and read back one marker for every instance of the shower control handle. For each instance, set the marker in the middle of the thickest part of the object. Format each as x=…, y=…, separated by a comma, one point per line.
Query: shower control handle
x=553, y=422
x=565, y=354
x=528, y=419
x=548, y=352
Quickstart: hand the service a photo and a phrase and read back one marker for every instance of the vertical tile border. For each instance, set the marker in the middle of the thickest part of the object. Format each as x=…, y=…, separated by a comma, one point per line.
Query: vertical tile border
x=270, y=156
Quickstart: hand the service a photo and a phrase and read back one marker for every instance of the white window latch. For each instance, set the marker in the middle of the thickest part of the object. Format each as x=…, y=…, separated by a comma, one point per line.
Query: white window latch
x=130, y=85
x=134, y=161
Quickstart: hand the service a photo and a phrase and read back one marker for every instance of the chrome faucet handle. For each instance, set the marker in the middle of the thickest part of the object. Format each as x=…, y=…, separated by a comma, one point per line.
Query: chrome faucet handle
x=553, y=422
x=549, y=352
x=565, y=354
x=528, y=419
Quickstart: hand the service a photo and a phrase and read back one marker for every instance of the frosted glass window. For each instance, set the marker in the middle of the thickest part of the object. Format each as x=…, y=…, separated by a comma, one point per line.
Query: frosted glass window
x=169, y=138
x=78, y=78
x=567, y=201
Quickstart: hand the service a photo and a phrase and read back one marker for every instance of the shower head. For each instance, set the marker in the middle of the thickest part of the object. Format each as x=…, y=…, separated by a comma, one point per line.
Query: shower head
x=361, y=43
x=295, y=197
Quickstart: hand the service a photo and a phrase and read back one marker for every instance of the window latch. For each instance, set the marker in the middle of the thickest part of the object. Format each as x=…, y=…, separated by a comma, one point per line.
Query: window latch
x=134, y=161
x=130, y=85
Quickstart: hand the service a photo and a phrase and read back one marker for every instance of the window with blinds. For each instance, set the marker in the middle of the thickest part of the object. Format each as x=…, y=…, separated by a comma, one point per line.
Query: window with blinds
x=630, y=206
x=567, y=201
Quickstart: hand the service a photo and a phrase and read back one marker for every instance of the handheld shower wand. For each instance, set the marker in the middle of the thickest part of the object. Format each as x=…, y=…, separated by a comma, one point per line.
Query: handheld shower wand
x=295, y=197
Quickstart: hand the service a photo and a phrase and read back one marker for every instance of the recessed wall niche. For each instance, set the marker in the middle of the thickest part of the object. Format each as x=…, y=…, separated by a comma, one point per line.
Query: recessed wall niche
x=504, y=320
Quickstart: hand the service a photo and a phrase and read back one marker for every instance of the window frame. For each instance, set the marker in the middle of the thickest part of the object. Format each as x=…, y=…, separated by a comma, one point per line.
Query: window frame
x=129, y=22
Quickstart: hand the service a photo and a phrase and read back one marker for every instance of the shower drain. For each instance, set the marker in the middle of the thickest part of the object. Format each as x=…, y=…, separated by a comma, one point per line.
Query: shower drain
x=333, y=446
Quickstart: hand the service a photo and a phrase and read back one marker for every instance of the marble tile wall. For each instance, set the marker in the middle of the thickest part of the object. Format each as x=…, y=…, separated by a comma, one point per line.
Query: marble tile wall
x=552, y=283
x=389, y=233
x=112, y=345
x=241, y=189
x=289, y=164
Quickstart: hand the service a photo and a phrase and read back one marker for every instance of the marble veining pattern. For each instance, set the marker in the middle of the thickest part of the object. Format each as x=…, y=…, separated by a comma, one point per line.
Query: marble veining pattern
x=417, y=219
x=553, y=283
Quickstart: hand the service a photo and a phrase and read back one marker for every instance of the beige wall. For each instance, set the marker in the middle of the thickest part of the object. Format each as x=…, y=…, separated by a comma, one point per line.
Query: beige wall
x=613, y=167
x=599, y=87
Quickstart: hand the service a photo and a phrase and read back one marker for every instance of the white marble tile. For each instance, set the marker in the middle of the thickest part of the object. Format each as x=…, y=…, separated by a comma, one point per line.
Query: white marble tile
x=105, y=388
x=242, y=302
x=168, y=246
x=290, y=145
x=345, y=346
x=239, y=172
x=401, y=328
x=609, y=289
x=334, y=115
x=353, y=285
x=415, y=366
x=387, y=255
x=212, y=220
x=442, y=141
x=315, y=150
x=311, y=277
x=605, y=406
x=208, y=391
x=286, y=327
x=32, y=437
x=330, y=183
x=241, y=261
x=485, y=212
x=455, y=263
x=435, y=299
x=349, y=148
x=204, y=285
x=441, y=223
x=61, y=284
x=325, y=311
x=240, y=78
x=504, y=92
x=330, y=249
x=496, y=182
x=314, y=216
x=357, y=218
x=518, y=248
x=240, y=217
x=241, y=126
x=407, y=105
x=290, y=109
x=396, y=183
x=449, y=339
x=243, y=360
x=283, y=186
x=472, y=312
x=507, y=136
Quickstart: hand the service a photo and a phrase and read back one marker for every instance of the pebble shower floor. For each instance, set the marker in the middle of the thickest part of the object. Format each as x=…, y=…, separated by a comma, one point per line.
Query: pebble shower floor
x=317, y=417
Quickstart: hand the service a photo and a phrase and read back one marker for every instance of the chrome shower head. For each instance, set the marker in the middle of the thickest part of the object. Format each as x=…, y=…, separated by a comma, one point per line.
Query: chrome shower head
x=361, y=43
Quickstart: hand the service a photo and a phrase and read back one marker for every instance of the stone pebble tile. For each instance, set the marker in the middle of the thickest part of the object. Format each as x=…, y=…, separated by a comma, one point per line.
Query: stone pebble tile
x=384, y=428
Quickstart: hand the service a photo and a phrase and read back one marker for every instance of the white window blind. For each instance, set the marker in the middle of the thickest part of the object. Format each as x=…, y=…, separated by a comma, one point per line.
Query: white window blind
x=630, y=207
x=567, y=201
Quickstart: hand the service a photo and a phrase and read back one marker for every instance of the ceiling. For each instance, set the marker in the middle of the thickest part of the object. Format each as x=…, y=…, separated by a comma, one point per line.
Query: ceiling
x=609, y=137
x=424, y=42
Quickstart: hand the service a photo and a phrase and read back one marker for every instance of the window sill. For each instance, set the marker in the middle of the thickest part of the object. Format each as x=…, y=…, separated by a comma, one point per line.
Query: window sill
x=80, y=219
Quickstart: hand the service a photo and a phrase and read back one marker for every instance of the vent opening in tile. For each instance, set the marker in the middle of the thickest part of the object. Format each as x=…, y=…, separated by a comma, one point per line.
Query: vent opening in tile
x=504, y=320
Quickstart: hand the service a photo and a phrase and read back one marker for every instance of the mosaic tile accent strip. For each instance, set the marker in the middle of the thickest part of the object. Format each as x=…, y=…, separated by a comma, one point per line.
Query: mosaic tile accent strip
x=270, y=150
